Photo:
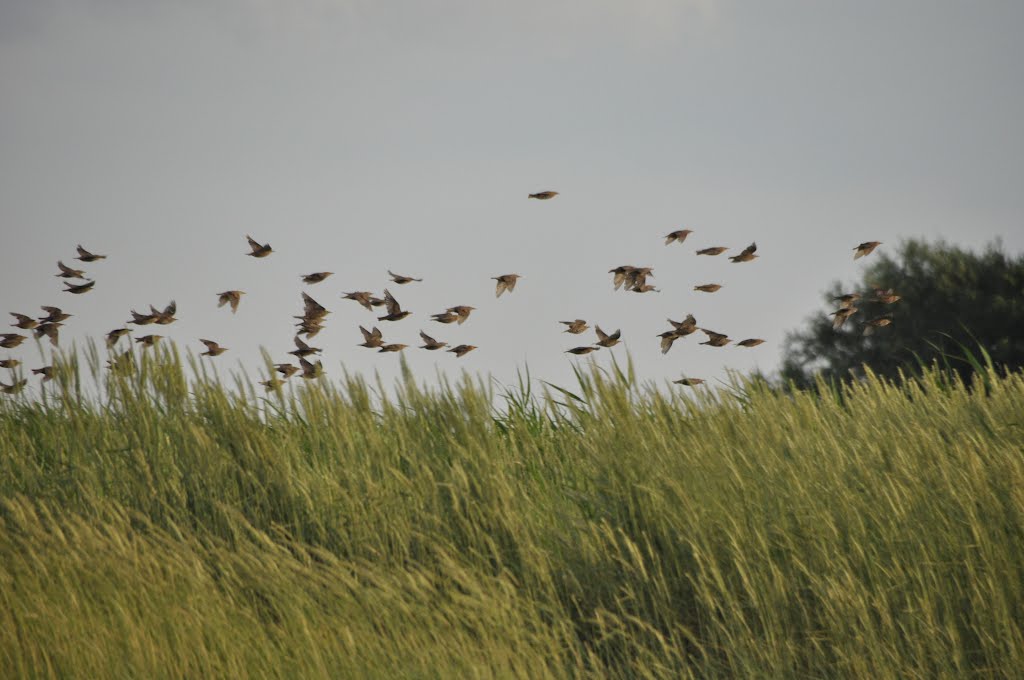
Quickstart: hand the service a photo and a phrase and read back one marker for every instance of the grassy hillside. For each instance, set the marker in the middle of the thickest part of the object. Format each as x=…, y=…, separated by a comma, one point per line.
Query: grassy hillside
x=179, y=529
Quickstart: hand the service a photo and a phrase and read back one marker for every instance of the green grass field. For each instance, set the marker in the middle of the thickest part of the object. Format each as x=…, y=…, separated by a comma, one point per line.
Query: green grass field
x=177, y=528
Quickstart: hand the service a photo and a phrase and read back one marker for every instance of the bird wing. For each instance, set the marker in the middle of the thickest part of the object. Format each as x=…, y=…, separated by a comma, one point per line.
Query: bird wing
x=391, y=303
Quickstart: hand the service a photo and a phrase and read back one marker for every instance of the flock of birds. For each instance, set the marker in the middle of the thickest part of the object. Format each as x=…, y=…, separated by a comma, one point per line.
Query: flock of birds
x=311, y=322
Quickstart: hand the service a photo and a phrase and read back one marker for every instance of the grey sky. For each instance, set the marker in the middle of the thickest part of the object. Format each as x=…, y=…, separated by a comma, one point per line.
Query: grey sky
x=357, y=136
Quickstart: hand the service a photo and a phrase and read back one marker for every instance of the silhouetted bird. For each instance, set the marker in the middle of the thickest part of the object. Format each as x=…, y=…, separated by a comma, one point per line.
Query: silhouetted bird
x=605, y=340
x=115, y=335
x=431, y=343
x=51, y=330
x=865, y=248
x=690, y=382
x=505, y=282
x=148, y=340
x=684, y=327
x=581, y=350
x=85, y=256
x=715, y=339
x=302, y=349
x=575, y=327
x=310, y=370
x=53, y=315
x=749, y=342
x=287, y=370
x=746, y=255
x=543, y=195
x=394, y=347
x=395, y=312
x=67, y=272
x=258, y=249
x=716, y=250
x=11, y=340
x=80, y=288
x=372, y=339
x=677, y=236
x=45, y=371
x=842, y=314
x=708, y=287
x=212, y=348
x=9, y=363
x=462, y=312
x=400, y=279
x=462, y=350
x=878, y=322
x=24, y=321
x=230, y=297
x=315, y=277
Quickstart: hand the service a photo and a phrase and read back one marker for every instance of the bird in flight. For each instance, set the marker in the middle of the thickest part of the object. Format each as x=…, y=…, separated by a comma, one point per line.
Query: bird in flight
x=462, y=350
x=67, y=272
x=716, y=250
x=543, y=195
x=746, y=255
x=85, y=256
x=372, y=339
x=865, y=248
x=708, y=288
x=575, y=327
x=395, y=312
x=258, y=249
x=230, y=297
x=401, y=279
x=677, y=236
x=430, y=343
x=606, y=340
x=80, y=288
x=212, y=348
x=506, y=282
x=315, y=277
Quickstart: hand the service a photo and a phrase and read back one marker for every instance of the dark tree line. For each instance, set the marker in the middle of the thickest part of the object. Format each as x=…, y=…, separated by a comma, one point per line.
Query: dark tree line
x=950, y=298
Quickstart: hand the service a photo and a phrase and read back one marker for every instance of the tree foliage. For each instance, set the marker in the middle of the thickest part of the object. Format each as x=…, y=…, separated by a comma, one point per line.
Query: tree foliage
x=951, y=299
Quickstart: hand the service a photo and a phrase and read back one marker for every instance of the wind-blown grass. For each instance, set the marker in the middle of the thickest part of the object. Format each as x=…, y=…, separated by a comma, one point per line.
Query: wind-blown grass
x=178, y=528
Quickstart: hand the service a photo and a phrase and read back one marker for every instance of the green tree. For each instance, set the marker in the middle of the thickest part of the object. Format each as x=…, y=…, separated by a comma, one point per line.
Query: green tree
x=949, y=297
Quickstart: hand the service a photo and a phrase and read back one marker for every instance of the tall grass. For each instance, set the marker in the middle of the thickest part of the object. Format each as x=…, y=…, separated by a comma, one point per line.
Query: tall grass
x=171, y=526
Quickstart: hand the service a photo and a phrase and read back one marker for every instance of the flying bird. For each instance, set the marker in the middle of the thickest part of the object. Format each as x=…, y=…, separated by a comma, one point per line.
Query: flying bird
x=400, y=279
x=363, y=297
x=394, y=347
x=11, y=340
x=690, y=382
x=841, y=315
x=45, y=371
x=148, y=340
x=13, y=388
x=302, y=349
x=395, y=312
x=886, y=297
x=272, y=384
x=667, y=338
x=166, y=315
x=142, y=319
x=80, y=288
x=9, y=363
x=462, y=350
x=287, y=370
x=258, y=249
x=715, y=339
x=310, y=370
x=749, y=342
x=620, y=275
x=582, y=350
x=115, y=335
x=847, y=300
x=445, y=317
x=461, y=312
x=85, y=256
x=606, y=340
x=24, y=321
x=878, y=322
x=677, y=236
x=315, y=277
x=865, y=248
x=505, y=282
x=746, y=255
x=67, y=272
x=575, y=327
x=543, y=195
x=708, y=287
x=212, y=348
x=51, y=330
x=716, y=250
x=54, y=315
x=430, y=343
x=230, y=297
x=372, y=339
x=684, y=327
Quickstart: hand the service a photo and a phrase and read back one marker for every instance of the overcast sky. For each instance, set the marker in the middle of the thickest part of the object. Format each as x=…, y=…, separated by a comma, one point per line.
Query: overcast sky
x=357, y=136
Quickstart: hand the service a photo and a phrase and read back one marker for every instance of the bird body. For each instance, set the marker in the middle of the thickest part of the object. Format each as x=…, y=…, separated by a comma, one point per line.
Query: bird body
x=582, y=350
x=401, y=279
x=230, y=297
x=212, y=348
x=506, y=282
x=395, y=312
x=51, y=330
x=575, y=327
x=749, y=342
x=372, y=339
x=85, y=256
x=878, y=322
x=708, y=288
x=394, y=347
x=684, y=327
x=430, y=343
x=865, y=248
x=543, y=195
x=148, y=340
x=258, y=249
x=315, y=277
x=461, y=350
x=715, y=250
x=67, y=272
x=715, y=339
x=23, y=321
x=302, y=349
x=690, y=382
x=11, y=340
x=606, y=340
x=9, y=363
x=841, y=315
x=79, y=288
x=54, y=315
x=746, y=255
x=462, y=312
x=115, y=335
x=677, y=236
